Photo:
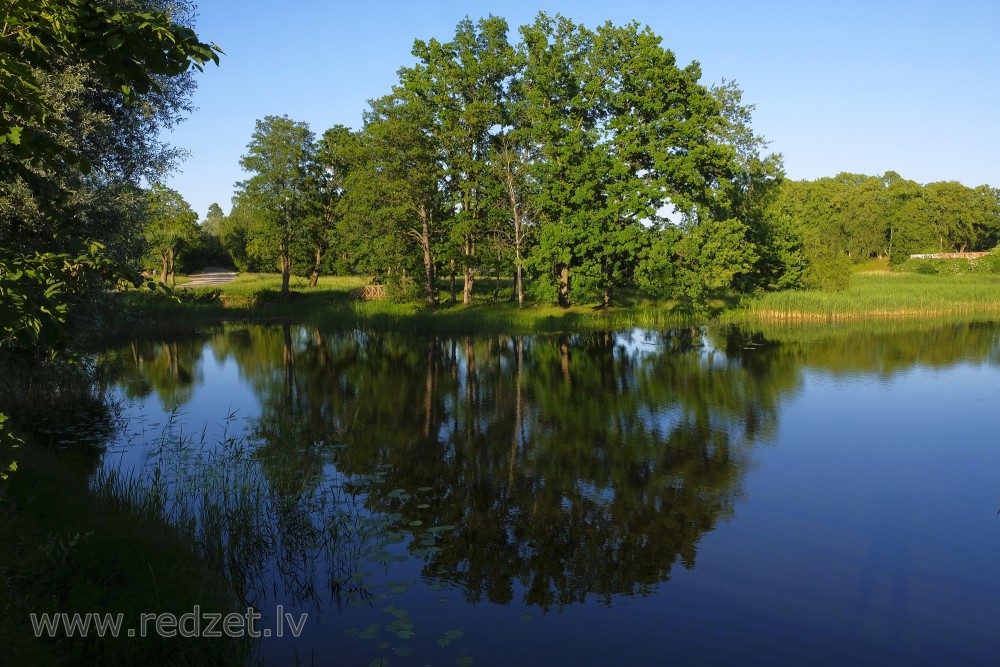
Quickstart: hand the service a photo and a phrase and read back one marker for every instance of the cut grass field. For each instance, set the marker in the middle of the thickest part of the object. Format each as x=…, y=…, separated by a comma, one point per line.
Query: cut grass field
x=871, y=296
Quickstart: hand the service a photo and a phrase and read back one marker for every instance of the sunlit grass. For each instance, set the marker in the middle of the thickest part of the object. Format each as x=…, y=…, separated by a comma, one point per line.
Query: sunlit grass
x=333, y=302
x=872, y=294
x=878, y=296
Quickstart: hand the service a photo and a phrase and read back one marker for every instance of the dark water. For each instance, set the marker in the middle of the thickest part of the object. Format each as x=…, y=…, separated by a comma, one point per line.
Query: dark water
x=691, y=497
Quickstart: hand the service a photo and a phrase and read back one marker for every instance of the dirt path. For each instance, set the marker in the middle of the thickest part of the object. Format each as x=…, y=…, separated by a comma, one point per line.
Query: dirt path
x=211, y=276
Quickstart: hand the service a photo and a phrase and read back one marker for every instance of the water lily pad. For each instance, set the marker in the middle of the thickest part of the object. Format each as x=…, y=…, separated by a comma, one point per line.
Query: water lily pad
x=527, y=617
x=402, y=650
x=454, y=634
x=464, y=660
x=405, y=634
x=441, y=529
x=379, y=662
x=416, y=522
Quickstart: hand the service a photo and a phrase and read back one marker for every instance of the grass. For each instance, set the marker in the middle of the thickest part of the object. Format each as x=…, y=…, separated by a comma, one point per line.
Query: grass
x=66, y=549
x=254, y=297
x=878, y=296
x=873, y=293
x=206, y=525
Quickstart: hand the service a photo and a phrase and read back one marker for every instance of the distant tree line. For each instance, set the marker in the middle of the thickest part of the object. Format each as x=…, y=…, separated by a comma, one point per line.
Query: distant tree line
x=575, y=162
x=855, y=217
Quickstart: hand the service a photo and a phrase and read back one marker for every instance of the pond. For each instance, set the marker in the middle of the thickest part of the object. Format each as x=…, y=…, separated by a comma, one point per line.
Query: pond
x=701, y=496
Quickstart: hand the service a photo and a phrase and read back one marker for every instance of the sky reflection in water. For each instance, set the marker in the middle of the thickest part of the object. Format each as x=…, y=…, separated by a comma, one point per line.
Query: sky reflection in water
x=698, y=497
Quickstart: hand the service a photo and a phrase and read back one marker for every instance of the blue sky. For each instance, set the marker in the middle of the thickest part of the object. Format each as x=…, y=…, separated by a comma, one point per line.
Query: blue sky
x=863, y=87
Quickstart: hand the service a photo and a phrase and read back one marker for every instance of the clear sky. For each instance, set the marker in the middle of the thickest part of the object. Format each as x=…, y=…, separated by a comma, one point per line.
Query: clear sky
x=911, y=86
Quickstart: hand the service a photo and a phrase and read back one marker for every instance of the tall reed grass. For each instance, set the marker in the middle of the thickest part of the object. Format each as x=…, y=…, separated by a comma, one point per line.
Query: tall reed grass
x=878, y=297
x=254, y=515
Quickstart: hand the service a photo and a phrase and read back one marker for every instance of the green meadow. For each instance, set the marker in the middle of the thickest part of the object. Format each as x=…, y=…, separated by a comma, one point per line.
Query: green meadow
x=870, y=296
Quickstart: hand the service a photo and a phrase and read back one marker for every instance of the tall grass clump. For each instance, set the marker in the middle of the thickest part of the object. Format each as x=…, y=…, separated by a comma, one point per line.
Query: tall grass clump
x=254, y=512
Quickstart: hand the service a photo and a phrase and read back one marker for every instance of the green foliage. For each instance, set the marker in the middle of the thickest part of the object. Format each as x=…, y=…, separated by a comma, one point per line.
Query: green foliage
x=132, y=52
x=281, y=193
x=694, y=265
x=468, y=165
x=171, y=229
x=9, y=441
x=865, y=216
x=38, y=291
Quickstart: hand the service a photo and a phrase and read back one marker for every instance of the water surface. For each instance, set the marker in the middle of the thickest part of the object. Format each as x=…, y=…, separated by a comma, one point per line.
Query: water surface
x=704, y=496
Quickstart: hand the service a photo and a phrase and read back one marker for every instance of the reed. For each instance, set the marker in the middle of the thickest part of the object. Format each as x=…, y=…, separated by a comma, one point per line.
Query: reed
x=878, y=296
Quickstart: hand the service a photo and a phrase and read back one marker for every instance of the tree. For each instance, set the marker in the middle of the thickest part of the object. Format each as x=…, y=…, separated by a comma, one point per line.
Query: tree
x=623, y=133
x=85, y=88
x=281, y=157
x=214, y=214
x=511, y=162
x=335, y=152
x=133, y=47
x=171, y=227
x=963, y=218
x=908, y=226
x=393, y=189
x=460, y=85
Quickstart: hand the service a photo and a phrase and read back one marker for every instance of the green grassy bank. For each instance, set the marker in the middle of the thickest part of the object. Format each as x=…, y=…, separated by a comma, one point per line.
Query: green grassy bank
x=254, y=297
x=870, y=296
x=878, y=296
x=69, y=550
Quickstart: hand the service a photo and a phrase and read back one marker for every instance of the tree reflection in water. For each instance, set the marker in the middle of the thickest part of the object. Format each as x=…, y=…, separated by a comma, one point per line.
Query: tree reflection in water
x=562, y=466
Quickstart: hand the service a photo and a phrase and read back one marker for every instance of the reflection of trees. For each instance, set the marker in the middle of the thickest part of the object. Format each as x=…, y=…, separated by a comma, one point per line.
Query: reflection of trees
x=570, y=465
x=169, y=368
x=884, y=349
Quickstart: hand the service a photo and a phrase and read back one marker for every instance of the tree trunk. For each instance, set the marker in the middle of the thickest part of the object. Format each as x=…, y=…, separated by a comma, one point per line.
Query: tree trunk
x=454, y=288
x=470, y=277
x=314, y=276
x=519, y=277
x=163, y=271
x=286, y=269
x=564, y=286
x=425, y=243
x=173, y=280
x=607, y=297
x=470, y=272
